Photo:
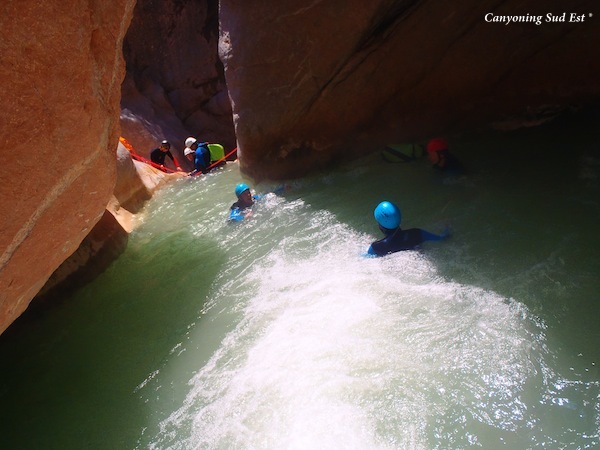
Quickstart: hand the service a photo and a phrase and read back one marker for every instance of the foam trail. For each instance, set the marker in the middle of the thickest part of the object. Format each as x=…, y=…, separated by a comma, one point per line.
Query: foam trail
x=337, y=351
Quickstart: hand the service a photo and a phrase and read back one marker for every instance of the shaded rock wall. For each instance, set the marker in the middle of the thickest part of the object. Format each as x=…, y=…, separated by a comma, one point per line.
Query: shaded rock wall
x=106, y=241
x=175, y=85
x=61, y=70
x=313, y=83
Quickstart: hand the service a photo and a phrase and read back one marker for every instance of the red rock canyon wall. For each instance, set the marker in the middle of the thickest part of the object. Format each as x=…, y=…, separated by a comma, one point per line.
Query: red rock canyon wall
x=61, y=70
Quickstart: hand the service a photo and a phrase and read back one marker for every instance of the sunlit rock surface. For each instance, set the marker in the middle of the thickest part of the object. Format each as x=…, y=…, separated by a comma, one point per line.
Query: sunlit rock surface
x=312, y=83
x=61, y=70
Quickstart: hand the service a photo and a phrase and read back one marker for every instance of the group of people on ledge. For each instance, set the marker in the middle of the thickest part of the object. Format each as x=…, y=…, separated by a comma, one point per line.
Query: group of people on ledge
x=387, y=214
x=203, y=155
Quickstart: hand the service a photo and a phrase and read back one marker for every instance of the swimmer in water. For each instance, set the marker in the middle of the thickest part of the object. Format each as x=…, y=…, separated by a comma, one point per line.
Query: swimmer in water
x=388, y=217
x=243, y=207
x=440, y=157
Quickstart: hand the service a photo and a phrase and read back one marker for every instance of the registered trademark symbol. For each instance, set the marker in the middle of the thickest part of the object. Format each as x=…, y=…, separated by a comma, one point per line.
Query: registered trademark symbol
x=591, y=14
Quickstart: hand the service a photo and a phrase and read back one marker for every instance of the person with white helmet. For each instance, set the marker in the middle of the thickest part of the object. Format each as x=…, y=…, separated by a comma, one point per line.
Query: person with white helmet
x=158, y=155
x=388, y=216
x=198, y=153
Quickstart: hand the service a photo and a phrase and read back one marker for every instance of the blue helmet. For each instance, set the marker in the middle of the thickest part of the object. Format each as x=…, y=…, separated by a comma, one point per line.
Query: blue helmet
x=241, y=187
x=388, y=215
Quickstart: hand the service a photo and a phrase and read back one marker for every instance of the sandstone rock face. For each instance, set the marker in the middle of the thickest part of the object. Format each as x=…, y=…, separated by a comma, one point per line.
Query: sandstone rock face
x=61, y=70
x=137, y=181
x=175, y=86
x=130, y=192
x=316, y=82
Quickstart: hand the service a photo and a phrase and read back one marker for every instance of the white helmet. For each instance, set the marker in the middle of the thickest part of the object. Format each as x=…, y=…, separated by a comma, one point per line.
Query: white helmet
x=188, y=151
x=189, y=141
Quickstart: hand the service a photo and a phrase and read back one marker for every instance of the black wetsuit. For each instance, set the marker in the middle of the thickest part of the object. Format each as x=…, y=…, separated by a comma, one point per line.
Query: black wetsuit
x=398, y=240
x=157, y=156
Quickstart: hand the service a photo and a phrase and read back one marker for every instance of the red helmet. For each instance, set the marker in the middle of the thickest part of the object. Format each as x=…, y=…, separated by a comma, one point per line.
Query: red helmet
x=437, y=145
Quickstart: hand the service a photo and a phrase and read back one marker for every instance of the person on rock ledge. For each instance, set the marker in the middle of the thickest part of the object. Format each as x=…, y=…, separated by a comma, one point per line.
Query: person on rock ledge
x=199, y=154
x=158, y=155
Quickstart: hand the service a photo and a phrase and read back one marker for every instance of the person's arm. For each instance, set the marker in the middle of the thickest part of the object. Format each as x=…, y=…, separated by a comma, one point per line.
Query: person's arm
x=170, y=155
x=370, y=253
x=428, y=236
x=236, y=215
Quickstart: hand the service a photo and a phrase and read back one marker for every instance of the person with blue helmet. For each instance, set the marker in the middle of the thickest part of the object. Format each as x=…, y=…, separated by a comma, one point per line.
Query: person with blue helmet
x=389, y=217
x=241, y=209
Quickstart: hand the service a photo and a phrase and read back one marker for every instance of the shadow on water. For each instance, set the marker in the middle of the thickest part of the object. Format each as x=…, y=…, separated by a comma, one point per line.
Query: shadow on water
x=88, y=360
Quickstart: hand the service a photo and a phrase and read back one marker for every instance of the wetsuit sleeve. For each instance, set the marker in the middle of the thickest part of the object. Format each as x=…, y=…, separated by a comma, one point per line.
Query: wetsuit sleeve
x=427, y=236
x=170, y=155
x=371, y=252
x=377, y=248
x=236, y=215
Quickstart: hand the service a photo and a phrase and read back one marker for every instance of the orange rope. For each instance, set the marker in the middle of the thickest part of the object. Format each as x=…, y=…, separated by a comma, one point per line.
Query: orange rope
x=137, y=157
x=217, y=162
x=224, y=158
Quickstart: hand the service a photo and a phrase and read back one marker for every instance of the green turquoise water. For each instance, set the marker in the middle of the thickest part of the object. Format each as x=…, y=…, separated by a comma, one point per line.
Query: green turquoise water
x=276, y=332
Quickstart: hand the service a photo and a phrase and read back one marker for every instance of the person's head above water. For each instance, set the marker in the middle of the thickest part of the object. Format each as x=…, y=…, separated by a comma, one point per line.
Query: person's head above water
x=437, y=150
x=241, y=187
x=387, y=215
x=437, y=145
x=242, y=192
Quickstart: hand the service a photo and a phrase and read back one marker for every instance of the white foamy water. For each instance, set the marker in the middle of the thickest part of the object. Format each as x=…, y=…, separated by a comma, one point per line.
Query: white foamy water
x=329, y=349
